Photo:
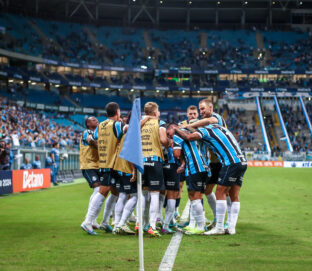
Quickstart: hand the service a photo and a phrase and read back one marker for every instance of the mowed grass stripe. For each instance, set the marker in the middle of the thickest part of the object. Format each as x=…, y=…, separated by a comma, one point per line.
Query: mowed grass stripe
x=40, y=231
x=273, y=230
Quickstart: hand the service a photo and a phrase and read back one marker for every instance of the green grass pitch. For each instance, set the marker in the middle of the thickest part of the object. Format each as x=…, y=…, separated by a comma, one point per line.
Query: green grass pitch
x=41, y=231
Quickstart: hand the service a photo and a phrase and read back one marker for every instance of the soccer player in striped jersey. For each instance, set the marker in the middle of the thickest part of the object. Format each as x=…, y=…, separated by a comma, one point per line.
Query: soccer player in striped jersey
x=210, y=117
x=192, y=116
x=172, y=181
x=221, y=141
x=197, y=173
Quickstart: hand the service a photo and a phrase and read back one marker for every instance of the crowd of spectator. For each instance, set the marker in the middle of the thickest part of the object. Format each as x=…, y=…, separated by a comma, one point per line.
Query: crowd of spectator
x=285, y=55
x=73, y=43
x=244, y=132
x=299, y=136
x=34, y=129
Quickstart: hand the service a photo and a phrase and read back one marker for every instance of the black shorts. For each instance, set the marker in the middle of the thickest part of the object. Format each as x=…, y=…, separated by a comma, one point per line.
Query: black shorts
x=171, y=177
x=215, y=169
x=123, y=184
x=197, y=182
x=153, y=176
x=106, y=178
x=232, y=174
x=91, y=175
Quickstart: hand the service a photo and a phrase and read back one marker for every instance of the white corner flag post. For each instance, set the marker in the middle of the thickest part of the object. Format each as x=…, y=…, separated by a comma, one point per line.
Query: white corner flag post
x=132, y=152
x=140, y=215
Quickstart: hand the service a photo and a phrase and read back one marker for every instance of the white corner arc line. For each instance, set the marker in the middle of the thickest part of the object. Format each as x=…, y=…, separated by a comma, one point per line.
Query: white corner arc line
x=173, y=247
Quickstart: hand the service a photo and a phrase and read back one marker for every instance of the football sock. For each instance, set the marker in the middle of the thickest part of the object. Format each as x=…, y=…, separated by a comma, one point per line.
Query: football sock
x=95, y=207
x=220, y=214
x=234, y=214
x=95, y=190
x=145, y=208
x=129, y=207
x=228, y=203
x=119, y=207
x=109, y=207
x=211, y=198
x=198, y=213
x=169, y=212
x=154, y=209
x=192, y=223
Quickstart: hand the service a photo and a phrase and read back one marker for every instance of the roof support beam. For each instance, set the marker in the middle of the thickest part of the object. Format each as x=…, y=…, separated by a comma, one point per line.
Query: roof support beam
x=82, y=3
x=143, y=9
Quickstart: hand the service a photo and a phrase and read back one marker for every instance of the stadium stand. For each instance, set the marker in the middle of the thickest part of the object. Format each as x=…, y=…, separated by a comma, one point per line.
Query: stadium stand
x=37, y=129
x=152, y=51
x=171, y=48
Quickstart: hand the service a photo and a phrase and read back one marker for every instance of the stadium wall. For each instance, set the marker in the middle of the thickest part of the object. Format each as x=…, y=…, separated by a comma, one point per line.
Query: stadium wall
x=14, y=181
x=285, y=164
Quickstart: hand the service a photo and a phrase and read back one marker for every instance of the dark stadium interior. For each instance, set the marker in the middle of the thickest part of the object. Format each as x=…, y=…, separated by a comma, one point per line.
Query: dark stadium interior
x=69, y=58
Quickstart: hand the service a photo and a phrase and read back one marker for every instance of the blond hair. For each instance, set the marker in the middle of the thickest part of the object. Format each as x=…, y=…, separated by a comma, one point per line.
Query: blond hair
x=206, y=101
x=150, y=108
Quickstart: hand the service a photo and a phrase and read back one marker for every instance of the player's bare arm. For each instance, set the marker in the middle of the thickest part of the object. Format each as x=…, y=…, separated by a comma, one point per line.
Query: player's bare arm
x=91, y=141
x=188, y=136
x=163, y=137
x=146, y=118
x=181, y=133
x=202, y=122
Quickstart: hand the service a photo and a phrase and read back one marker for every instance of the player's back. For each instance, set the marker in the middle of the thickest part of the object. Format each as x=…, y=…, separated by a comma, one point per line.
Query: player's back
x=222, y=142
x=151, y=145
x=195, y=160
x=108, y=134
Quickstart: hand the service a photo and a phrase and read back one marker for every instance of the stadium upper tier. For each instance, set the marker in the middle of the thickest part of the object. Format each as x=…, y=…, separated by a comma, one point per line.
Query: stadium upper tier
x=132, y=47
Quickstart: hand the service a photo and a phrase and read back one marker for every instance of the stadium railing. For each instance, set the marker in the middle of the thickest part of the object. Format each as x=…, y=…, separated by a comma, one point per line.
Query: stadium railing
x=70, y=161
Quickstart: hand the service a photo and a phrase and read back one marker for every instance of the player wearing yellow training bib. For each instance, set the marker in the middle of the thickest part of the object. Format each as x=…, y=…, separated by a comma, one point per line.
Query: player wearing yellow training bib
x=107, y=134
x=153, y=135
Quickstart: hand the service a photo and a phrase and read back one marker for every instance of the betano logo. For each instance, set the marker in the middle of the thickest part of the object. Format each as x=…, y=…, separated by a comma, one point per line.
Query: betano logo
x=27, y=180
x=32, y=180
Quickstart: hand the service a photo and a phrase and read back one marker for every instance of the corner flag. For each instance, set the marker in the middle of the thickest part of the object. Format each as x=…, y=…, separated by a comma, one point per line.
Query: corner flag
x=132, y=152
x=132, y=146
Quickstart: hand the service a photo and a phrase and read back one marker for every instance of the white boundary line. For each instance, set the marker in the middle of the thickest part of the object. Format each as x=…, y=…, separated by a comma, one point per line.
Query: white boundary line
x=173, y=247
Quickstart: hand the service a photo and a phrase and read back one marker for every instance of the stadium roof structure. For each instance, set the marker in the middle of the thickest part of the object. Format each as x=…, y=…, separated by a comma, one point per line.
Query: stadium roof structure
x=169, y=13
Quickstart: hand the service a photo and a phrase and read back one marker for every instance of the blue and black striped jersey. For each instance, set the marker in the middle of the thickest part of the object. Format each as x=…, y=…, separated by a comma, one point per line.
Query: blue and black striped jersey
x=221, y=141
x=195, y=161
x=169, y=157
x=118, y=129
x=220, y=119
x=85, y=135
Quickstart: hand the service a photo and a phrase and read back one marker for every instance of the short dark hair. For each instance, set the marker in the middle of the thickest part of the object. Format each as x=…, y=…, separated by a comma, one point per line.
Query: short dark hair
x=111, y=109
x=87, y=120
x=172, y=124
x=54, y=144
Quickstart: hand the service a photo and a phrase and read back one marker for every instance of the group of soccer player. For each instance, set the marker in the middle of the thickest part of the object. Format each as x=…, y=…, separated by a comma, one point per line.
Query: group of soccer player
x=203, y=153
